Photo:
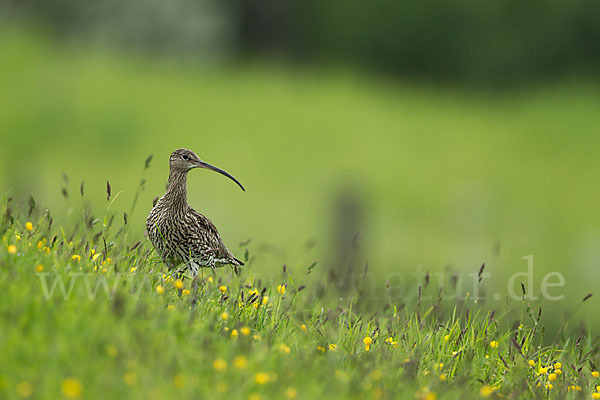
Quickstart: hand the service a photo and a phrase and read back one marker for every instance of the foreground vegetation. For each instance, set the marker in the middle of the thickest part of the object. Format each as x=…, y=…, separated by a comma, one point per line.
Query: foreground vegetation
x=88, y=311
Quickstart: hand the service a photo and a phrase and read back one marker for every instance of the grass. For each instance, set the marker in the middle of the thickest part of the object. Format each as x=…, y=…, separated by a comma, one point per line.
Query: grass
x=122, y=326
x=441, y=175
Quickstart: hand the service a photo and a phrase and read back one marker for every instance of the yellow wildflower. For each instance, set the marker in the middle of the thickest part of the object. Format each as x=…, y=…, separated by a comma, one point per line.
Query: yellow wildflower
x=18, y=237
x=76, y=257
x=485, y=390
x=24, y=389
x=549, y=386
x=303, y=328
x=245, y=330
x=40, y=244
x=39, y=268
x=596, y=395
x=223, y=289
x=179, y=380
x=558, y=371
x=130, y=378
x=219, y=364
x=291, y=393
x=47, y=249
x=160, y=289
x=454, y=353
x=12, y=249
x=252, y=292
x=185, y=292
x=595, y=374
x=265, y=300
x=552, y=377
x=493, y=344
x=281, y=289
x=285, y=348
x=262, y=378
x=442, y=377
x=179, y=284
x=28, y=226
x=96, y=256
x=225, y=316
x=71, y=387
x=543, y=370
x=531, y=363
x=210, y=279
x=321, y=349
x=234, y=333
x=333, y=347
x=240, y=362
x=112, y=351
x=557, y=365
x=133, y=269
x=170, y=307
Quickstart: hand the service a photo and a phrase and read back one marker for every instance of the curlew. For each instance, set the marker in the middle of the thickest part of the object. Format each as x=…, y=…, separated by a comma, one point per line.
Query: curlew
x=180, y=234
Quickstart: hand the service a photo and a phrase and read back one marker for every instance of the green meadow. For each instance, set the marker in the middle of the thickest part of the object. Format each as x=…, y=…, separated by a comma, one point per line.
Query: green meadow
x=440, y=180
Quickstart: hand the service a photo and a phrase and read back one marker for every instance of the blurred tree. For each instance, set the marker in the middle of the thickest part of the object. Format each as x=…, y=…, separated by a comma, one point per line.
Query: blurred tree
x=491, y=42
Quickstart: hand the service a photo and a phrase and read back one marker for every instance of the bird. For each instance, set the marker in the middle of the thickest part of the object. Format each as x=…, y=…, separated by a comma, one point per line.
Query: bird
x=180, y=234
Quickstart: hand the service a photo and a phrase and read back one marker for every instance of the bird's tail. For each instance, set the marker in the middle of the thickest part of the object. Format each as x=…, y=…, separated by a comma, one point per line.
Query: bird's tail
x=237, y=262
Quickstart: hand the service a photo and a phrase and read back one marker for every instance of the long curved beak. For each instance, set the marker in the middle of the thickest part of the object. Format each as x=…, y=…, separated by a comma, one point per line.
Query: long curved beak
x=202, y=164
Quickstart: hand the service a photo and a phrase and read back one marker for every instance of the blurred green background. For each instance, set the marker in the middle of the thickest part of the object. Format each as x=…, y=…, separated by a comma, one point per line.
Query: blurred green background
x=443, y=133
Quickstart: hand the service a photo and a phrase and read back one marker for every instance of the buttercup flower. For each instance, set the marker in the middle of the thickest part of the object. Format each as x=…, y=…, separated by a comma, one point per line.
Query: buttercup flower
x=367, y=341
x=240, y=362
x=262, y=378
x=219, y=364
x=71, y=387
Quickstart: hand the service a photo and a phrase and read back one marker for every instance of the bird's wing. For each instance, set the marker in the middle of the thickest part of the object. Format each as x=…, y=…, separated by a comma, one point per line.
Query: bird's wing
x=209, y=240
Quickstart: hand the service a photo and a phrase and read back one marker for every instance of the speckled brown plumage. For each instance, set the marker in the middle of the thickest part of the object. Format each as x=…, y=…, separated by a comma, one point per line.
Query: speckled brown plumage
x=180, y=234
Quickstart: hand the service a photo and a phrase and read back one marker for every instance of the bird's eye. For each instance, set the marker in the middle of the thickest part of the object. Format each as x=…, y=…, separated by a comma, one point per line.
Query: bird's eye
x=185, y=157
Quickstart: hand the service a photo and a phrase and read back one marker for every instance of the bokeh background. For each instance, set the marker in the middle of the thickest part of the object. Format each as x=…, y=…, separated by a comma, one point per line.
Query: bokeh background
x=407, y=134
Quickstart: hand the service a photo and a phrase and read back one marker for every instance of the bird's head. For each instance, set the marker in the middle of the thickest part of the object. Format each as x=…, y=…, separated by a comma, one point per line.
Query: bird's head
x=184, y=160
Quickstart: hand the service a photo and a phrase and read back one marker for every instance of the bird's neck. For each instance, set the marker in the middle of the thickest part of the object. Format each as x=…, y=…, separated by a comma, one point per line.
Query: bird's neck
x=177, y=189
